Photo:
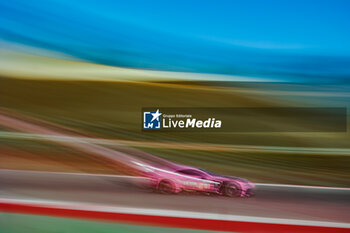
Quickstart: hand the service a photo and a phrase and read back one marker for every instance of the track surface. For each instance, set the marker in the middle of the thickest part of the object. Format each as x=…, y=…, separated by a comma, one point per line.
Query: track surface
x=277, y=202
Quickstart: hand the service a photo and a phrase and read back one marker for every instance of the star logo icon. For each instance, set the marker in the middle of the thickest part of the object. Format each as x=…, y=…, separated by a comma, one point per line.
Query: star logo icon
x=155, y=116
x=152, y=119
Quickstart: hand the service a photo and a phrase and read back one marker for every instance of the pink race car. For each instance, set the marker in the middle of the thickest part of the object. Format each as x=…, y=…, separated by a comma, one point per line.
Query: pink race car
x=180, y=178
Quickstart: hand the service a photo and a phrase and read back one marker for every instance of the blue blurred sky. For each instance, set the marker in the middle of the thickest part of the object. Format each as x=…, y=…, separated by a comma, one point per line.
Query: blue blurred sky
x=296, y=40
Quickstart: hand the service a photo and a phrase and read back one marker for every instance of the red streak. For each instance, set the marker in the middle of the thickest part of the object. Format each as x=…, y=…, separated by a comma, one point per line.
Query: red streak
x=164, y=221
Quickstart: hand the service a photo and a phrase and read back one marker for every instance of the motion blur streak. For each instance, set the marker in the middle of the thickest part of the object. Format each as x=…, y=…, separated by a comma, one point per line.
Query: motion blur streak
x=20, y=65
x=118, y=158
x=285, y=202
x=174, y=145
x=237, y=39
x=170, y=218
x=75, y=75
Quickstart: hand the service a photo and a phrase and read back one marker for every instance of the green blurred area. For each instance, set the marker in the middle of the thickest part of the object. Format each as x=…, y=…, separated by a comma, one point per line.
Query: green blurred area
x=20, y=223
x=113, y=110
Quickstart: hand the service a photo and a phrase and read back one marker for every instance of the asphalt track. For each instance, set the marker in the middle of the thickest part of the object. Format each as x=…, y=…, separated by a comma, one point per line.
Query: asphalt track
x=270, y=201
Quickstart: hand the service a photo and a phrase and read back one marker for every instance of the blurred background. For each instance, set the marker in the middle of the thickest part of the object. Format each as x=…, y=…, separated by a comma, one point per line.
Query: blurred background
x=84, y=69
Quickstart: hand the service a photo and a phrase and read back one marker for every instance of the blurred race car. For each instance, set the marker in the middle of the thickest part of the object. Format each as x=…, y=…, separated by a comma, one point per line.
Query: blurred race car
x=191, y=179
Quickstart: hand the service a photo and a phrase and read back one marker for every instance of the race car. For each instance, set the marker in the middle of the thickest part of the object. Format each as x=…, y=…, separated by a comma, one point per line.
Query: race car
x=181, y=178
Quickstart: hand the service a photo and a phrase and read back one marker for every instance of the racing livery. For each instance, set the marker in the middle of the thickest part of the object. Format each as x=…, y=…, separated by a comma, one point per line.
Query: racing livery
x=191, y=179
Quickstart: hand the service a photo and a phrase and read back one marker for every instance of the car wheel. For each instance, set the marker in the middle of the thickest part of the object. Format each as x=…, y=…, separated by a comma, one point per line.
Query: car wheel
x=232, y=190
x=165, y=187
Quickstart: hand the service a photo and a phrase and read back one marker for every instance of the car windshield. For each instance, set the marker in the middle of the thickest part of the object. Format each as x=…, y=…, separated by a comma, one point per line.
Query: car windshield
x=208, y=172
x=191, y=172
